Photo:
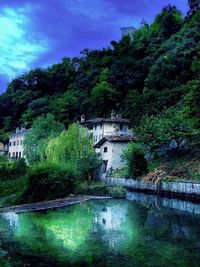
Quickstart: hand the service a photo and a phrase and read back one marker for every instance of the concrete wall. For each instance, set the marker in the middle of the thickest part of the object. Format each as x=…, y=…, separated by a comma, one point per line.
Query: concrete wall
x=179, y=187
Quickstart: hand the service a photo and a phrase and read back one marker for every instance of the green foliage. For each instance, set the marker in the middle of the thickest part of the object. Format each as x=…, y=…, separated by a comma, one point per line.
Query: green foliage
x=47, y=181
x=74, y=146
x=101, y=91
x=141, y=75
x=192, y=107
x=163, y=129
x=136, y=162
x=43, y=130
x=10, y=170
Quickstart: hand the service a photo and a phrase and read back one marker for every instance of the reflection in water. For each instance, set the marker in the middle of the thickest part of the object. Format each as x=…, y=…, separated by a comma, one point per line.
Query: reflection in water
x=140, y=232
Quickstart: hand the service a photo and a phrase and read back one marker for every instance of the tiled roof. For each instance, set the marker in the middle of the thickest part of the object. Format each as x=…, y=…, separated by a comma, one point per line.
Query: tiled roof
x=115, y=138
x=101, y=120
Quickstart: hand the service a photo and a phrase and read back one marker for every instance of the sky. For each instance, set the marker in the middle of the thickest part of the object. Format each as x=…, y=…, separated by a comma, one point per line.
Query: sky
x=38, y=33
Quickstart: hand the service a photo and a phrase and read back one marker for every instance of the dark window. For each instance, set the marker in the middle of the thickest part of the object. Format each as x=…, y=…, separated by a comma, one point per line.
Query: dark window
x=100, y=126
x=14, y=143
x=20, y=154
x=105, y=150
x=10, y=143
x=90, y=128
x=17, y=142
x=104, y=166
x=16, y=155
x=21, y=142
x=121, y=127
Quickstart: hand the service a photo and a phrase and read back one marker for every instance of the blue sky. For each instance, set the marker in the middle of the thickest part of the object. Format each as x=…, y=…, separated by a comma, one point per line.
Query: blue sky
x=37, y=33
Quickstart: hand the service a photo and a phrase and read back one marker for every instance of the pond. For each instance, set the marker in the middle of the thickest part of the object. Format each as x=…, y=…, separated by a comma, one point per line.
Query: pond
x=141, y=230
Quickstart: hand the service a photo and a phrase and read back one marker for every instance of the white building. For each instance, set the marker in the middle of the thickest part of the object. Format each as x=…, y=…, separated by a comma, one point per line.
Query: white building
x=16, y=143
x=111, y=137
x=111, y=149
x=100, y=127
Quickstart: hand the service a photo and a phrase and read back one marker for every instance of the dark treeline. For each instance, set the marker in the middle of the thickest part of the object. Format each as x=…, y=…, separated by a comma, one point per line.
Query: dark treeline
x=157, y=68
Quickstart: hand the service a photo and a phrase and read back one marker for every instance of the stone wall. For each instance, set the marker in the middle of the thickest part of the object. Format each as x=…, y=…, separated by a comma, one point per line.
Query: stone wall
x=182, y=188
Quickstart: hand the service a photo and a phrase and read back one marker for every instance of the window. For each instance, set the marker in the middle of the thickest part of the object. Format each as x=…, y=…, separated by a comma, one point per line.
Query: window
x=100, y=137
x=100, y=126
x=16, y=155
x=20, y=155
x=21, y=142
x=17, y=142
x=95, y=127
x=105, y=150
x=10, y=143
x=13, y=154
x=121, y=127
x=14, y=143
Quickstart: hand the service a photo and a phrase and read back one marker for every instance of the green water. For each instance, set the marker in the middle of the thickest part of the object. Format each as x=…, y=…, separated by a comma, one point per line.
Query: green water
x=101, y=233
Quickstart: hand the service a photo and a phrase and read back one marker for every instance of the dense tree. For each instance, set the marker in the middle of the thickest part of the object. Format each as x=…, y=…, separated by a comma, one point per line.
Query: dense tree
x=74, y=146
x=44, y=128
x=192, y=107
x=138, y=76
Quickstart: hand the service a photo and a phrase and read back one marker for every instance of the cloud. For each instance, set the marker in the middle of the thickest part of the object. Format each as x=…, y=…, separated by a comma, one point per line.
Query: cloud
x=19, y=47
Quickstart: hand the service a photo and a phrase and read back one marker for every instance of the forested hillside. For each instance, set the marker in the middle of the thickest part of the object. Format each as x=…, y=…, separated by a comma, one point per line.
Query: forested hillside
x=156, y=69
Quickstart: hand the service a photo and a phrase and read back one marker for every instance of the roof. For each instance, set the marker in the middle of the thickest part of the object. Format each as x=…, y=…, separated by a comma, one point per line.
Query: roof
x=101, y=120
x=115, y=139
x=20, y=133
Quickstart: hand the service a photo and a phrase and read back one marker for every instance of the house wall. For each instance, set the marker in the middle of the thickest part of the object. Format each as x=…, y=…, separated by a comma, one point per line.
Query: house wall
x=98, y=131
x=117, y=152
x=16, y=146
x=113, y=155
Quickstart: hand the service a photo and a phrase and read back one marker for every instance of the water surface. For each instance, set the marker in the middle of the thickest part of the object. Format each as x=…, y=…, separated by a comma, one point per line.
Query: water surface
x=142, y=231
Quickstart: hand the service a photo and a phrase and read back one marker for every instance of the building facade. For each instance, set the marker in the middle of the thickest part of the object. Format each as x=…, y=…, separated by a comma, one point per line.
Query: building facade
x=101, y=127
x=16, y=143
x=111, y=137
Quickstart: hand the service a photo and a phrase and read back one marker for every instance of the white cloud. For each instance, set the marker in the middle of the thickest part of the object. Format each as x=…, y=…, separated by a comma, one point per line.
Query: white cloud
x=18, y=46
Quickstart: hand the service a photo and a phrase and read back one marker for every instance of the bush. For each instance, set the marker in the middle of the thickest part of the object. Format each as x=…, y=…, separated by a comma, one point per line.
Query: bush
x=47, y=181
x=96, y=189
x=136, y=162
x=10, y=169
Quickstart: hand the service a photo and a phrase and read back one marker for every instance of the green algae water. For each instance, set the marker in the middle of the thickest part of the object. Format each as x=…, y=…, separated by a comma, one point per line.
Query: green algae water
x=139, y=231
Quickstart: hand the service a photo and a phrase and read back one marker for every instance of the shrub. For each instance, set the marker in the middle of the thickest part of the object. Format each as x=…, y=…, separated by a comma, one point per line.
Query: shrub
x=47, y=181
x=136, y=162
x=10, y=169
x=96, y=189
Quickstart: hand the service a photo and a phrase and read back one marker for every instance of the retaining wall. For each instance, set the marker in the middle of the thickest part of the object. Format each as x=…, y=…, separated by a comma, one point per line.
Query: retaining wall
x=187, y=189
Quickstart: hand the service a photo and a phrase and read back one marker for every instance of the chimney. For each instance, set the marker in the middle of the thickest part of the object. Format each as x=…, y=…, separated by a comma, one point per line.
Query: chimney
x=82, y=118
x=113, y=114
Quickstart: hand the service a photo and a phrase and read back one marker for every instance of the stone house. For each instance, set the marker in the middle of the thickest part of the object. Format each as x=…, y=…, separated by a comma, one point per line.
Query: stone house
x=111, y=149
x=16, y=143
x=111, y=137
x=100, y=127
